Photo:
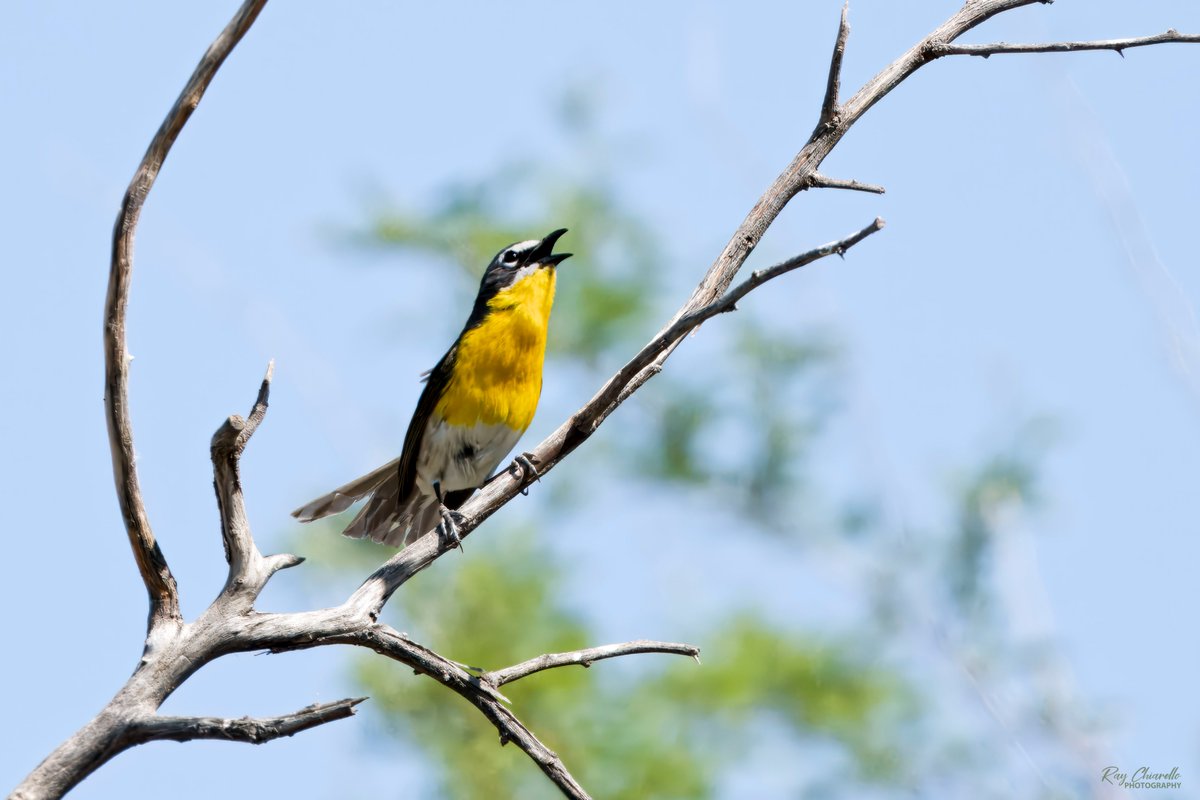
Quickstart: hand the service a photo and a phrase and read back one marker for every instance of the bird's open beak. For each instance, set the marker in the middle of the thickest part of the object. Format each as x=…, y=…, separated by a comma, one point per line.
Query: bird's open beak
x=544, y=252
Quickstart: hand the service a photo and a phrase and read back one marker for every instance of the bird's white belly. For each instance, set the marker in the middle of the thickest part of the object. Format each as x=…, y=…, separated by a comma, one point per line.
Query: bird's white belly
x=461, y=457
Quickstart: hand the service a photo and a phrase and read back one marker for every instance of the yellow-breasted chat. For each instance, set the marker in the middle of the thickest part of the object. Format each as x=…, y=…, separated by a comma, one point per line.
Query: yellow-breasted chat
x=477, y=401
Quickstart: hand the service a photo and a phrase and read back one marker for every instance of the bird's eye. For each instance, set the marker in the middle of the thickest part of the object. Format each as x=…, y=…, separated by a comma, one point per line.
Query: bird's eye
x=509, y=257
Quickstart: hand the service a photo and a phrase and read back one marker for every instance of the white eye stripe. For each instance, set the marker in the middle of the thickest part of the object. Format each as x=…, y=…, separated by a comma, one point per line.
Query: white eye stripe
x=511, y=256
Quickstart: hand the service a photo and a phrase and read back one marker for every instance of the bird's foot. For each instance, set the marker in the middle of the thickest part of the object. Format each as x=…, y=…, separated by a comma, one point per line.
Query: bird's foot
x=448, y=529
x=522, y=468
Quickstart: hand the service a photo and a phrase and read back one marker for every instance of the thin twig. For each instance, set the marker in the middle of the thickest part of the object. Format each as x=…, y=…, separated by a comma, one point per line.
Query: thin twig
x=387, y=641
x=819, y=181
x=1116, y=45
x=728, y=302
x=247, y=729
x=259, y=411
x=586, y=657
x=156, y=574
x=757, y=278
x=829, y=106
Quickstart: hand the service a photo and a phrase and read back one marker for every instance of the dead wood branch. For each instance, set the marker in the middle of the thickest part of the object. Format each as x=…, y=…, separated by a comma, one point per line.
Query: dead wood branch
x=246, y=729
x=586, y=657
x=819, y=181
x=152, y=564
x=1118, y=46
x=175, y=651
x=833, y=86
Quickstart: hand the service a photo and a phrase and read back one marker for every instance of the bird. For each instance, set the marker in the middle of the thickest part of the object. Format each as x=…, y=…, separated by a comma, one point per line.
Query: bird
x=477, y=402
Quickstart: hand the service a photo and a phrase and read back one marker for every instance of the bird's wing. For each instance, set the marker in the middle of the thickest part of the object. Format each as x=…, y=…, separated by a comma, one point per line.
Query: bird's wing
x=435, y=385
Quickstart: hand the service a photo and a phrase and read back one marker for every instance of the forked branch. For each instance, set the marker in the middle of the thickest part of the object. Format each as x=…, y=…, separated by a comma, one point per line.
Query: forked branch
x=273, y=633
x=249, y=571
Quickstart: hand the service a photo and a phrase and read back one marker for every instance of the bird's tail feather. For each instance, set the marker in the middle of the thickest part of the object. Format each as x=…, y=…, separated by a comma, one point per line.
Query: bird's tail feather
x=343, y=497
x=389, y=520
x=386, y=518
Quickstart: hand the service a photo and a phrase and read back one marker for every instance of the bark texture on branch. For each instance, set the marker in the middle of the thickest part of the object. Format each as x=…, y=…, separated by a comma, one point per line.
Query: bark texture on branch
x=818, y=181
x=246, y=729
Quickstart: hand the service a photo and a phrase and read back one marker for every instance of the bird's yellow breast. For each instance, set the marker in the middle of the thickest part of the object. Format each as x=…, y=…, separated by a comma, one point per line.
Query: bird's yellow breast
x=497, y=373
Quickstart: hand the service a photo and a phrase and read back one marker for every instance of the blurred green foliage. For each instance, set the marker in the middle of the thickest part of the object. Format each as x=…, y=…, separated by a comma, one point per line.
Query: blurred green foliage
x=774, y=392
x=1006, y=480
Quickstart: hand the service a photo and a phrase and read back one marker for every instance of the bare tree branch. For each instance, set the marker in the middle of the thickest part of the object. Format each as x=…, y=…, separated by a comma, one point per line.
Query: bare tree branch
x=819, y=181
x=833, y=87
x=160, y=583
x=586, y=657
x=484, y=696
x=100, y=739
x=274, y=632
x=1116, y=45
x=230, y=624
x=247, y=729
x=513, y=730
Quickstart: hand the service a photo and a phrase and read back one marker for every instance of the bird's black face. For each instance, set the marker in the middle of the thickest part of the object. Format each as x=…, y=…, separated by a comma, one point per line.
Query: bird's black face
x=519, y=260
x=510, y=265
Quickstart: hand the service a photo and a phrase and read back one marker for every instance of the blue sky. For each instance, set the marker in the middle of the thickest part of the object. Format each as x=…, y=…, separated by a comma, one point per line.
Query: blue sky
x=1039, y=258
